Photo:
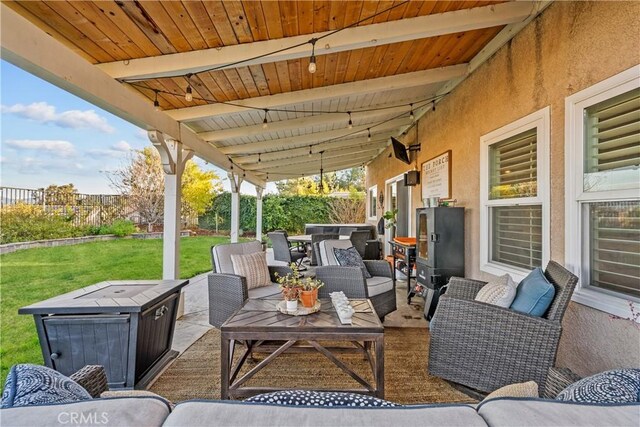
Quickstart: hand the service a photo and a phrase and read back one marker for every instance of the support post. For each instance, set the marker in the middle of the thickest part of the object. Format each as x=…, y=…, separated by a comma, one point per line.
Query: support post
x=173, y=158
x=259, y=191
x=236, y=182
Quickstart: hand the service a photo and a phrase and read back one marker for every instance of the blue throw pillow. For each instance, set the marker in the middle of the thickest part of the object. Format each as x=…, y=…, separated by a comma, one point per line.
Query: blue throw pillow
x=534, y=294
x=617, y=386
x=351, y=258
x=319, y=398
x=38, y=385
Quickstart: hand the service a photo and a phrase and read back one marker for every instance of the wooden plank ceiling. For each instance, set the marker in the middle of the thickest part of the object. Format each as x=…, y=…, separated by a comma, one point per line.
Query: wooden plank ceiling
x=105, y=32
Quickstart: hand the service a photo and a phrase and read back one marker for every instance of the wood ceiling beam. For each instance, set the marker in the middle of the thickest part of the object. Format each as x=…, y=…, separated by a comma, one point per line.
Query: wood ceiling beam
x=300, y=123
x=359, y=37
x=28, y=47
x=304, y=151
x=359, y=149
x=308, y=139
x=361, y=87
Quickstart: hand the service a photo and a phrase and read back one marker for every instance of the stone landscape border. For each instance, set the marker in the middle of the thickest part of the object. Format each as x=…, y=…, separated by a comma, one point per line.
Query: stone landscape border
x=12, y=247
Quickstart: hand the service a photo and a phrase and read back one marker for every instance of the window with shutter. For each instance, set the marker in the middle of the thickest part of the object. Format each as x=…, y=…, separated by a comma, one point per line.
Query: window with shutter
x=603, y=192
x=514, y=196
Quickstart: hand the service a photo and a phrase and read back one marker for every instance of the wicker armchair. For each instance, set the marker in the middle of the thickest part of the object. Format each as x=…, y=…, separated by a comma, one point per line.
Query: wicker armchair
x=380, y=288
x=485, y=347
x=227, y=290
x=93, y=378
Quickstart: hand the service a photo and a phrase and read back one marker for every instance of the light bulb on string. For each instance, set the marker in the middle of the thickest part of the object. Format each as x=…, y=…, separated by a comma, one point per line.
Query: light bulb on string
x=368, y=135
x=433, y=107
x=312, y=60
x=156, y=104
x=411, y=116
x=188, y=96
x=265, y=123
x=310, y=151
x=259, y=159
x=350, y=121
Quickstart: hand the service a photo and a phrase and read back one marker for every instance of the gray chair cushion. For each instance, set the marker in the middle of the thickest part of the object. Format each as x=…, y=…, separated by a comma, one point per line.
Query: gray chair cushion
x=527, y=412
x=264, y=291
x=327, y=257
x=200, y=413
x=131, y=411
x=221, y=254
x=377, y=285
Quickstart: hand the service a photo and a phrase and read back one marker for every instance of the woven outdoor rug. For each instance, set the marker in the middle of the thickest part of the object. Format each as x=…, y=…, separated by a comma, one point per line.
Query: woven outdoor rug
x=196, y=373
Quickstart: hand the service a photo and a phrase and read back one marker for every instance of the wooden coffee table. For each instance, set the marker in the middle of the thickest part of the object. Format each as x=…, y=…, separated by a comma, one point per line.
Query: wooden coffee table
x=263, y=329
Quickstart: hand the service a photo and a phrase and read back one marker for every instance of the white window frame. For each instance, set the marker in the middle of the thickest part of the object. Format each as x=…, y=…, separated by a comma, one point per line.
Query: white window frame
x=373, y=188
x=387, y=206
x=601, y=299
x=540, y=120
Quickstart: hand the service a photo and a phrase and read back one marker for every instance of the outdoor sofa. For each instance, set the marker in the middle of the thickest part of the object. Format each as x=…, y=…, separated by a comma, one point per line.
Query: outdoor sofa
x=155, y=411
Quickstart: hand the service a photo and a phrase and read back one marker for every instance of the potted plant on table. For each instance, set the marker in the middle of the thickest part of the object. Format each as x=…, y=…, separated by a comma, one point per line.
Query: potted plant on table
x=309, y=291
x=290, y=286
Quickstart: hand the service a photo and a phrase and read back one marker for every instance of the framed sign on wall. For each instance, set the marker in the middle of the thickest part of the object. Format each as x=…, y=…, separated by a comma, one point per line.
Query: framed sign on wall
x=436, y=177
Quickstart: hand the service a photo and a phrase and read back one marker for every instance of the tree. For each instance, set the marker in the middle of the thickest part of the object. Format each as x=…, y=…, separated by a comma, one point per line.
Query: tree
x=142, y=181
x=59, y=195
x=351, y=180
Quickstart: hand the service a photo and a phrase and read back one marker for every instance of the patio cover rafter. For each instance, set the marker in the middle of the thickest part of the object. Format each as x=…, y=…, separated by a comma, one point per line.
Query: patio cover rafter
x=400, y=81
x=349, y=39
x=309, y=139
x=304, y=151
x=302, y=122
x=30, y=48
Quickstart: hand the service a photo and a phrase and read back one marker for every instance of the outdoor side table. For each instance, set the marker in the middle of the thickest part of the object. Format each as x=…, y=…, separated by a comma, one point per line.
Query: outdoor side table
x=125, y=326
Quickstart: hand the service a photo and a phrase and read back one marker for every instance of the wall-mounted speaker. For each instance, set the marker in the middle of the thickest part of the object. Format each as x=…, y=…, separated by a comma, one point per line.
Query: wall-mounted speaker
x=412, y=178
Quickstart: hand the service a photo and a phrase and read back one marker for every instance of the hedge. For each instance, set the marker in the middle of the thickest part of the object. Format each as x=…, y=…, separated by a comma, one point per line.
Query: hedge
x=289, y=213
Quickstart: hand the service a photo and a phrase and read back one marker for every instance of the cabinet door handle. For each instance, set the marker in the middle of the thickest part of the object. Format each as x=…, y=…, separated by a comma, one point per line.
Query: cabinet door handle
x=160, y=312
x=55, y=356
x=435, y=237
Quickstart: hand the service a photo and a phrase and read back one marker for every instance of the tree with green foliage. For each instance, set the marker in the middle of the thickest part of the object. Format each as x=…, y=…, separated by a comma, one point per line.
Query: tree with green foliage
x=348, y=180
x=142, y=181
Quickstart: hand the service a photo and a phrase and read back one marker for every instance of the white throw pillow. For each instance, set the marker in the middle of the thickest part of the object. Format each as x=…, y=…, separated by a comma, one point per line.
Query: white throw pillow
x=253, y=267
x=500, y=292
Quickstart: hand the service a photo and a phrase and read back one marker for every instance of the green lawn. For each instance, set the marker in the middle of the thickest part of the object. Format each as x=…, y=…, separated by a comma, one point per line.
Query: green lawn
x=33, y=275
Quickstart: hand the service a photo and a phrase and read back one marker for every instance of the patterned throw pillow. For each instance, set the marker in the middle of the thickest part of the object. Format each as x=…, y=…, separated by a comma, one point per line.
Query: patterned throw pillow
x=351, y=258
x=319, y=398
x=500, y=292
x=38, y=385
x=528, y=389
x=253, y=267
x=616, y=386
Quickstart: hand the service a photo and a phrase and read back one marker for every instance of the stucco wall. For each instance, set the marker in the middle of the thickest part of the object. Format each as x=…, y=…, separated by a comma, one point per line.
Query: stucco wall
x=571, y=46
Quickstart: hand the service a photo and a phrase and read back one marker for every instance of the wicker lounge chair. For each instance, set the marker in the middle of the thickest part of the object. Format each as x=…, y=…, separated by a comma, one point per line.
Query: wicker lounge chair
x=380, y=288
x=227, y=290
x=485, y=347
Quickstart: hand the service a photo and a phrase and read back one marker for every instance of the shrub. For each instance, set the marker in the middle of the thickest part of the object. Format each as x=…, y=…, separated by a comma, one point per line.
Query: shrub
x=24, y=222
x=121, y=228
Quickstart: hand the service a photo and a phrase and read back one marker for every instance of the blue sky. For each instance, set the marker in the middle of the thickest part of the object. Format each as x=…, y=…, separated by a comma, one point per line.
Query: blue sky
x=50, y=136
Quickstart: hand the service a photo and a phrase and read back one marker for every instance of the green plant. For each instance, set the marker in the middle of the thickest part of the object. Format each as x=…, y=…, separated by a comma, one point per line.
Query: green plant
x=390, y=218
x=122, y=227
x=25, y=222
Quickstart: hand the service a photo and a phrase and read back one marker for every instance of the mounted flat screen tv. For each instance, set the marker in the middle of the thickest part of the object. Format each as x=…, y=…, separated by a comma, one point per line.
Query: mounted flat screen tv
x=400, y=151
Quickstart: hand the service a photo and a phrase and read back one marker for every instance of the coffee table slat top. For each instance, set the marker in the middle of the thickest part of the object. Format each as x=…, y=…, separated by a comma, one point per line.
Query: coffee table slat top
x=262, y=315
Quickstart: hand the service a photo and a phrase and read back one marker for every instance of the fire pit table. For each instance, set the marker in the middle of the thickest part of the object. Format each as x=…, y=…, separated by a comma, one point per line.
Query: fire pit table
x=126, y=326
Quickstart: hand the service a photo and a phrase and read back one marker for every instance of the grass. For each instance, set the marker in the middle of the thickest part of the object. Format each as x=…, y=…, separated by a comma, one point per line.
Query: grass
x=34, y=275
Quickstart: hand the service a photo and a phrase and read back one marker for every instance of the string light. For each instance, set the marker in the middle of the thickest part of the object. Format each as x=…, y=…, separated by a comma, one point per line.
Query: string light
x=350, y=121
x=188, y=96
x=368, y=134
x=310, y=152
x=312, y=60
x=265, y=124
x=156, y=104
x=433, y=108
x=259, y=159
x=411, y=116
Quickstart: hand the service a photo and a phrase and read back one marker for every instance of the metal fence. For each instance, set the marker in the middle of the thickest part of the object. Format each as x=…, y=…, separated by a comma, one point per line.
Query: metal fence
x=81, y=209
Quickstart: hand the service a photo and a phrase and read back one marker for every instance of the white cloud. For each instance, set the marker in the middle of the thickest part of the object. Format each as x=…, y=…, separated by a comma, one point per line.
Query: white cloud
x=32, y=165
x=56, y=147
x=45, y=113
x=142, y=135
x=117, y=150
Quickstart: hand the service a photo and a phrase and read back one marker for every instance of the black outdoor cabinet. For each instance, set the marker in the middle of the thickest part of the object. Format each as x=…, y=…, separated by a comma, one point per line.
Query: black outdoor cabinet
x=439, y=251
x=125, y=326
